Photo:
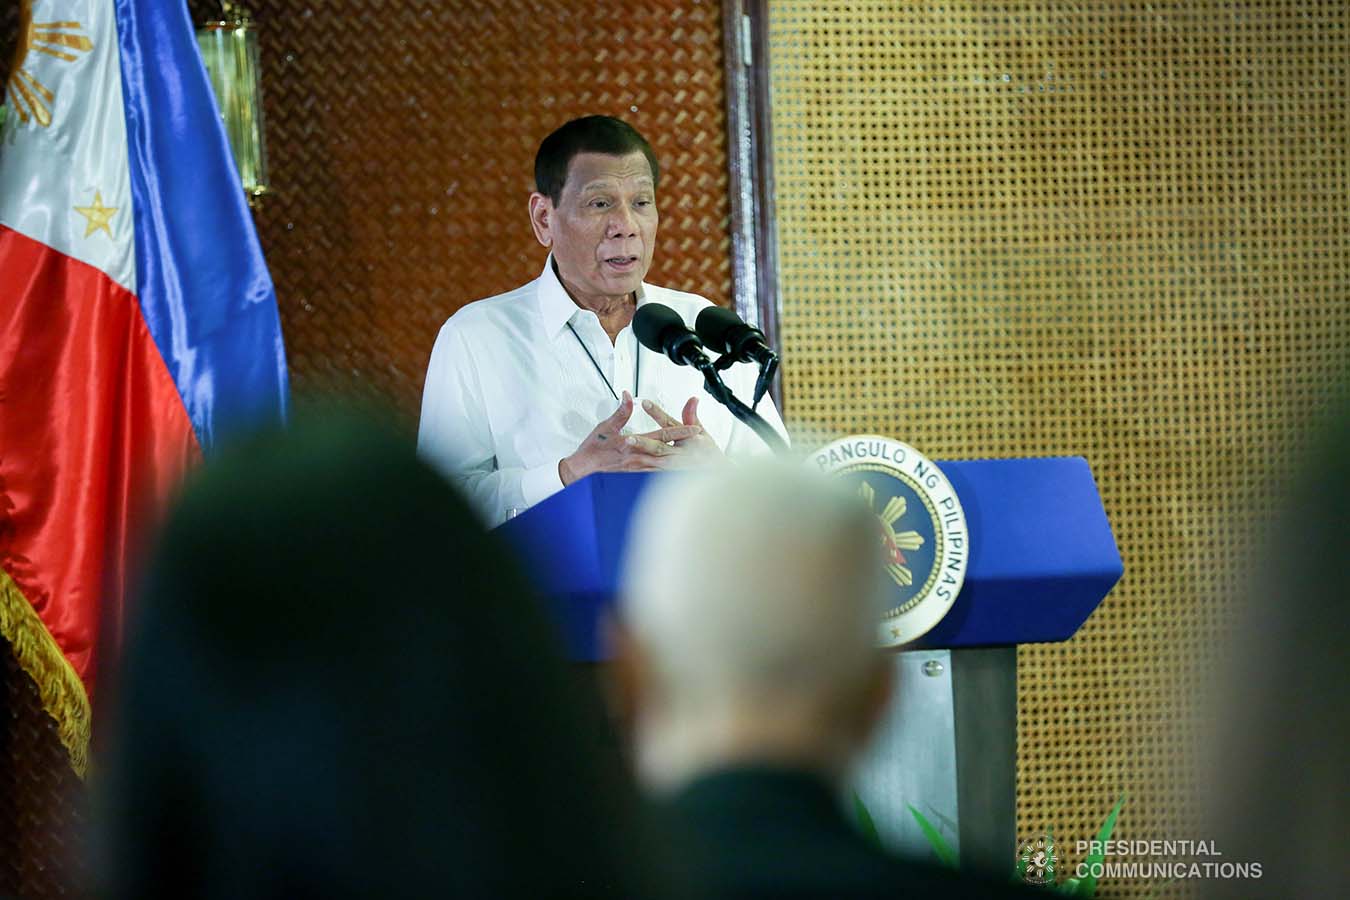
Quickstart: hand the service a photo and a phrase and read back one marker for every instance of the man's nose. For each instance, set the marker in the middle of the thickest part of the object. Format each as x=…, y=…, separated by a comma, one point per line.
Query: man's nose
x=622, y=222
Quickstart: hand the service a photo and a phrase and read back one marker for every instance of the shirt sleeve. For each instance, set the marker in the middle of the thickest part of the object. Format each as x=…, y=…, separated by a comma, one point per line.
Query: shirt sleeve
x=455, y=435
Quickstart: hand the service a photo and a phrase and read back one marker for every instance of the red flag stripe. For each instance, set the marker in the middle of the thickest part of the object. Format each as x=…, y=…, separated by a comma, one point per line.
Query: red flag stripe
x=93, y=441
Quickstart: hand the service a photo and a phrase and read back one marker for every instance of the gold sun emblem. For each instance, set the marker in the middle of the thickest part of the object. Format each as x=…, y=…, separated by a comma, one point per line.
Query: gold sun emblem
x=33, y=99
x=892, y=542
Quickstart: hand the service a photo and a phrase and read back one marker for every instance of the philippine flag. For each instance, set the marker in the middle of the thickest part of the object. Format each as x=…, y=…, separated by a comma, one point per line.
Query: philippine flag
x=138, y=323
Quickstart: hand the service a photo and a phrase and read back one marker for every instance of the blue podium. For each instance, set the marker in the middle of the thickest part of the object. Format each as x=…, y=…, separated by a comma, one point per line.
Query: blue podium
x=1042, y=557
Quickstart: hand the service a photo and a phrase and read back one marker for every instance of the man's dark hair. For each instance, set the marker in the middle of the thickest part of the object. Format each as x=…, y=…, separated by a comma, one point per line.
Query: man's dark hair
x=589, y=134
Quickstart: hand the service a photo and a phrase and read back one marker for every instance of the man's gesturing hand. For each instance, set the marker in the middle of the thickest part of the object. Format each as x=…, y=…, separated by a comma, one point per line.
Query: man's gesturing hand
x=607, y=449
x=697, y=449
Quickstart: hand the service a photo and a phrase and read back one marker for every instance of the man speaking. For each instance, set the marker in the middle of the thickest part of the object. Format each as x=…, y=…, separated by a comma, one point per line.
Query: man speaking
x=533, y=389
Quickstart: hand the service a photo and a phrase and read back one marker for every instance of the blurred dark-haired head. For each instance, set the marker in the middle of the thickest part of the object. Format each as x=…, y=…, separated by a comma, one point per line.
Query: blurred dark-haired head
x=337, y=684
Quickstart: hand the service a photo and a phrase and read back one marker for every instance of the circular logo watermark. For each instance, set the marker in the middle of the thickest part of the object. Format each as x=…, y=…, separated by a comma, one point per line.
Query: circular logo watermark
x=1038, y=860
x=921, y=526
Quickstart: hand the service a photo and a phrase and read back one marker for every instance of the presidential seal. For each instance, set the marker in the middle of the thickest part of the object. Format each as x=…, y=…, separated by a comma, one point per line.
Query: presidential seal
x=920, y=523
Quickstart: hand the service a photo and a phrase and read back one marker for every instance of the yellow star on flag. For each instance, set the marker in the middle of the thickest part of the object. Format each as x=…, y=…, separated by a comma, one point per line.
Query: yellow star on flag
x=99, y=216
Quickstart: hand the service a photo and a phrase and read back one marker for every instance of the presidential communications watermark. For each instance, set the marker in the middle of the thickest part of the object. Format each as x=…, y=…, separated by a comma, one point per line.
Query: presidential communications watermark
x=1169, y=859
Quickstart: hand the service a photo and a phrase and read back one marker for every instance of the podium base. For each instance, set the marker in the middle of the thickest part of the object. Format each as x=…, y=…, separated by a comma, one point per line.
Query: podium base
x=948, y=747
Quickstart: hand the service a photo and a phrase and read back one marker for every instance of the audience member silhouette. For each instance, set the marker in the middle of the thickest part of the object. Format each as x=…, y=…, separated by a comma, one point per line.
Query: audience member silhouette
x=337, y=685
x=1277, y=778
x=749, y=664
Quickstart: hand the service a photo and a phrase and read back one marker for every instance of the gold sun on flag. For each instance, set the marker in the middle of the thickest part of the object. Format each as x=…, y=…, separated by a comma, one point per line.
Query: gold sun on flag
x=894, y=543
x=99, y=216
x=33, y=99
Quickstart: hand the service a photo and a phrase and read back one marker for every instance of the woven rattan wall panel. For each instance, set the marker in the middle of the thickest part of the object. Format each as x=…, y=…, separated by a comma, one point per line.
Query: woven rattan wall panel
x=42, y=801
x=401, y=138
x=1113, y=229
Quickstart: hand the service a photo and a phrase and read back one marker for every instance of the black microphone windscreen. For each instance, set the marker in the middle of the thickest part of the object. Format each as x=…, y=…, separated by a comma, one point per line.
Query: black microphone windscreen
x=651, y=321
x=714, y=326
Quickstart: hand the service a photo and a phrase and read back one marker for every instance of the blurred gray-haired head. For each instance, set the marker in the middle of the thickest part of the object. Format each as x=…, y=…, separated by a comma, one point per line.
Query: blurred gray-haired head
x=751, y=600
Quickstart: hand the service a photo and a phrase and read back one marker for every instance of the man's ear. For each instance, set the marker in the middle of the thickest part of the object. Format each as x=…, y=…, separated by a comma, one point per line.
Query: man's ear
x=541, y=218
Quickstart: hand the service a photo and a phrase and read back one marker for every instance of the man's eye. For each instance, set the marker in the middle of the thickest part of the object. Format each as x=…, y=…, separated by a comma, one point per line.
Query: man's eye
x=600, y=204
x=644, y=203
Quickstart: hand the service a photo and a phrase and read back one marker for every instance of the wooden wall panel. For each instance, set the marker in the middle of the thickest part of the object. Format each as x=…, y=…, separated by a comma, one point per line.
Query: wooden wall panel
x=402, y=137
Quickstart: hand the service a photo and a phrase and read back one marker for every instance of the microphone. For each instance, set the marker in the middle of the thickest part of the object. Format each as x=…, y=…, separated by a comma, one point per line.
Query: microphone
x=722, y=330
x=660, y=329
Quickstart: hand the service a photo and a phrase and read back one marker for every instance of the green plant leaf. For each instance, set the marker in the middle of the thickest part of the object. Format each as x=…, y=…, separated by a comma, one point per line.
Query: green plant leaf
x=944, y=851
x=1019, y=874
x=869, y=828
x=1088, y=887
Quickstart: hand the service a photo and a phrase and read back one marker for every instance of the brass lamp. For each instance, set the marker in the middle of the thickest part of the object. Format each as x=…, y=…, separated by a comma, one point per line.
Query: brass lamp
x=229, y=48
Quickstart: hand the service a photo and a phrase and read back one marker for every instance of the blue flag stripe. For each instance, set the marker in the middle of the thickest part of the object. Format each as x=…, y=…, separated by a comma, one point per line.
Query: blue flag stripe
x=203, y=284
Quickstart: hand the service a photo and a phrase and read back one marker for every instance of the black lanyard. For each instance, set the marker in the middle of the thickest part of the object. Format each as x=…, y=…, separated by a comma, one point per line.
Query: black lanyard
x=637, y=364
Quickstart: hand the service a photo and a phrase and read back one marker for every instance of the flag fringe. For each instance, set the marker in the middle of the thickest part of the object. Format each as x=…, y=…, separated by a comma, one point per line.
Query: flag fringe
x=59, y=687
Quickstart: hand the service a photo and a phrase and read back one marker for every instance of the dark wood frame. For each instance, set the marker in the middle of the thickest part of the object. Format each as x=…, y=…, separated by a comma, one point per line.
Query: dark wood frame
x=754, y=227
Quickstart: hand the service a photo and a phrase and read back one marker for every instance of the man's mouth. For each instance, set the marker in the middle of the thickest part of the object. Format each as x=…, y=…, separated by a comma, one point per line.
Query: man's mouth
x=622, y=262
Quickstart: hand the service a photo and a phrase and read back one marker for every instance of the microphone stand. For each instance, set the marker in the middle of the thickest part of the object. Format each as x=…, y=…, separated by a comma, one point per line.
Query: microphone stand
x=768, y=367
x=713, y=384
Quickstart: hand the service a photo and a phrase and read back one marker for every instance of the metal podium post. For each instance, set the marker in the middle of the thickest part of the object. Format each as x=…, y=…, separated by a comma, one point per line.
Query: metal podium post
x=948, y=747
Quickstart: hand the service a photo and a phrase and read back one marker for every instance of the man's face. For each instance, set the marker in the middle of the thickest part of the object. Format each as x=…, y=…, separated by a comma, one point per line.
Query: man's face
x=603, y=230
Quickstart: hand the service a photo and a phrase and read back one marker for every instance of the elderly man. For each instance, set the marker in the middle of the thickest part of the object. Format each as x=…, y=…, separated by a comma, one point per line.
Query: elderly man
x=748, y=665
x=521, y=393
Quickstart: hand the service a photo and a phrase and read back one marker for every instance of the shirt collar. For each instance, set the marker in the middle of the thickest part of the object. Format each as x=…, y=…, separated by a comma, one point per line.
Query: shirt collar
x=556, y=307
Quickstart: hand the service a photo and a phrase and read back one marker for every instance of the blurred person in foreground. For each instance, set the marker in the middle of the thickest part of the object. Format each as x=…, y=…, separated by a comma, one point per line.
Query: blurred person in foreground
x=336, y=685
x=747, y=655
x=1277, y=777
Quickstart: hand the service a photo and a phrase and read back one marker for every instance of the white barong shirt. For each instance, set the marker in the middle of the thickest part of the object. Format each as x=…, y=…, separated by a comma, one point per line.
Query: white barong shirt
x=509, y=391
